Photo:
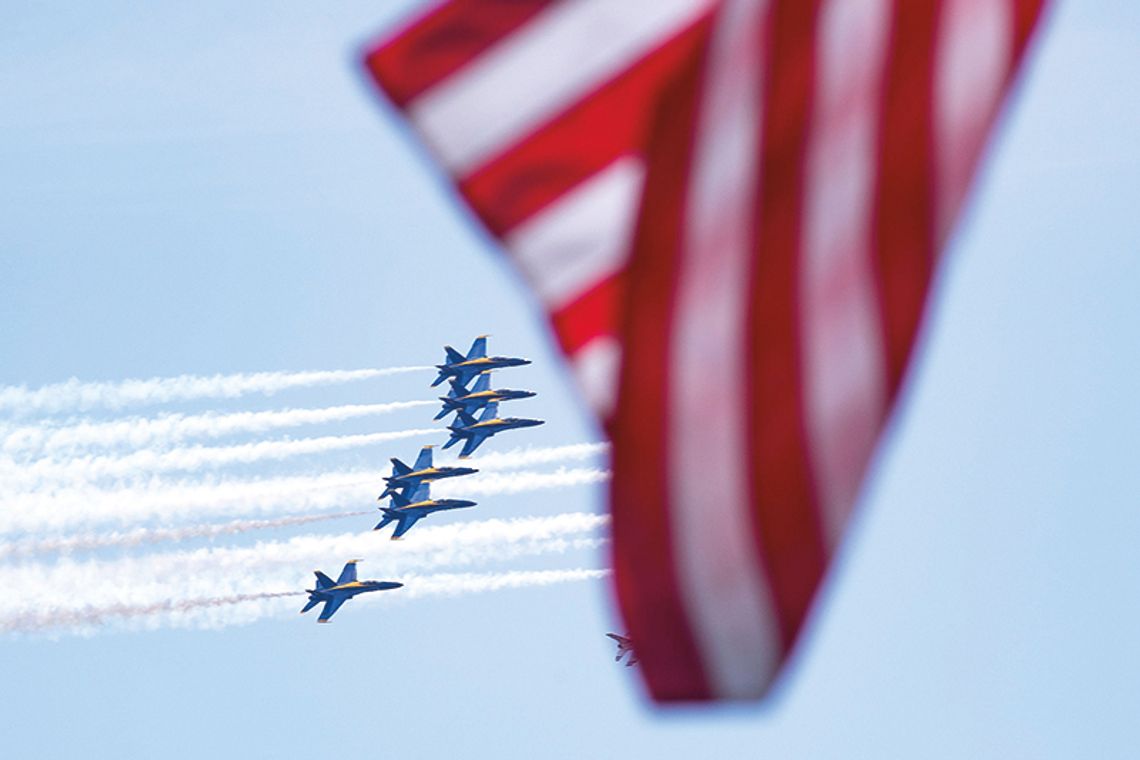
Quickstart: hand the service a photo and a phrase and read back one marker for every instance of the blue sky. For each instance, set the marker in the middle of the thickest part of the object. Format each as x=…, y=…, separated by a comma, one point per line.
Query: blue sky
x=215, y=189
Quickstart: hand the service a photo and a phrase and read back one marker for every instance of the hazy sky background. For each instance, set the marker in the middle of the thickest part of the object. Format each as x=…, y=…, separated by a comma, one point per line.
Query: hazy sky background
x=214, y=188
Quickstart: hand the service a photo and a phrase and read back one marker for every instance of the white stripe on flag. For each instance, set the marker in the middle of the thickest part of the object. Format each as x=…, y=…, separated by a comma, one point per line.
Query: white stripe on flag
x=722, y=585
x=581, y=238
x=539, y=70
x=843, y=356
x=972, y=58
x=596, y=367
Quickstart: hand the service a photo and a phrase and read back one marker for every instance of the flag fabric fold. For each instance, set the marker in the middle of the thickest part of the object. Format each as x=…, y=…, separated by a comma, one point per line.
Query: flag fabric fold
x=731, y=212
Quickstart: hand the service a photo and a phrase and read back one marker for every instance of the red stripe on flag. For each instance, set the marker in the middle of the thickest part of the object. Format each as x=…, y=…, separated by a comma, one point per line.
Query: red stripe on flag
x=594, y=313
x=787, y=524
x=442, y=41
x=904, y=213
x=644, y=562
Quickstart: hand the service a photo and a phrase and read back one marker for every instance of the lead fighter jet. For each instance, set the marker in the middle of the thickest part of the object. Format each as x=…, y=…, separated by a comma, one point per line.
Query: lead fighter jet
x=625, y=646
x=471, y=401
x=463, y=368
x=335, y=593
x=409, y=478
x=407, y=512
x=473, y=432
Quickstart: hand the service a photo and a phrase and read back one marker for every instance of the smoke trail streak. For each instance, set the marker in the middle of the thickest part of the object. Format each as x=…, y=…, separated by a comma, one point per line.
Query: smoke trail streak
x=527, y=456
x=74, y=395
x=170, y=429
x=68, y=508
x=46, y=472
x=141, y=536
x=237, y=609
x=69, y=585
x=88, y=617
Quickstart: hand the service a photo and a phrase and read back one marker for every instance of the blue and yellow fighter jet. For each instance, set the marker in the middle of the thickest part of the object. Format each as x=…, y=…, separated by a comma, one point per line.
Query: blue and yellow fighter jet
x=473, y=432
x=408, y=479
x=406, y=512
x=478, y=397
x=463, y=368
x=335, y=593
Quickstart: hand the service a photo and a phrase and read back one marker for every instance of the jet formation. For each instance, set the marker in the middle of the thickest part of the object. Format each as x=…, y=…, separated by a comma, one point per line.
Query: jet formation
x=408, y=489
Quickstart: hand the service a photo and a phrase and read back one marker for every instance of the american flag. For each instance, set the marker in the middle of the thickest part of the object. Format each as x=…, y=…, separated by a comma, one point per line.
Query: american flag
x=731, y=211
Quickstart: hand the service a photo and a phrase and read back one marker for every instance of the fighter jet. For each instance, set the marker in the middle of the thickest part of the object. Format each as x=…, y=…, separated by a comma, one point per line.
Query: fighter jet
x=463, y=368
x=473, y=432
x=625, y=646
x=406, y=512
x=408, y=479
x=478, y=397
x=335, y=593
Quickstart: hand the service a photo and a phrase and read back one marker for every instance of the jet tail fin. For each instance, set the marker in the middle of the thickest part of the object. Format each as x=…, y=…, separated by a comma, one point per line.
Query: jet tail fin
x=400, y=500
x=453, y=356
x=399, y=468
x=483, y=383
x=457, y=388
x=323, y=581
x=490, y=411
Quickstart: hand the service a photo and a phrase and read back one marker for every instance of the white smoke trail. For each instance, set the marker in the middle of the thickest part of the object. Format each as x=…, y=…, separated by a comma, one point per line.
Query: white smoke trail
x=141, y=536
x=226, y=571
x=74, y=395
x=237, y=609
x=17, y=476
x=88, y=617
x=80, y=507
x=67, y=587
x=171, y=429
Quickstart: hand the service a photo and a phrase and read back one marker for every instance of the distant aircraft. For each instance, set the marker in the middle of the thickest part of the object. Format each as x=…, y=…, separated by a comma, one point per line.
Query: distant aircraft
x=335, y=593
x=463, y=368
x=473, y=432
x=478, y=397
x=406, y=512
x=625, y=646
x=409, y=478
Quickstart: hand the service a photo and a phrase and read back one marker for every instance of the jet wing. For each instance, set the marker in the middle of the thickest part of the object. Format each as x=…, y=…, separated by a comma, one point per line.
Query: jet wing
x=331, y=606
x=348, y=574
x=405, y=524
x=471, y=444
